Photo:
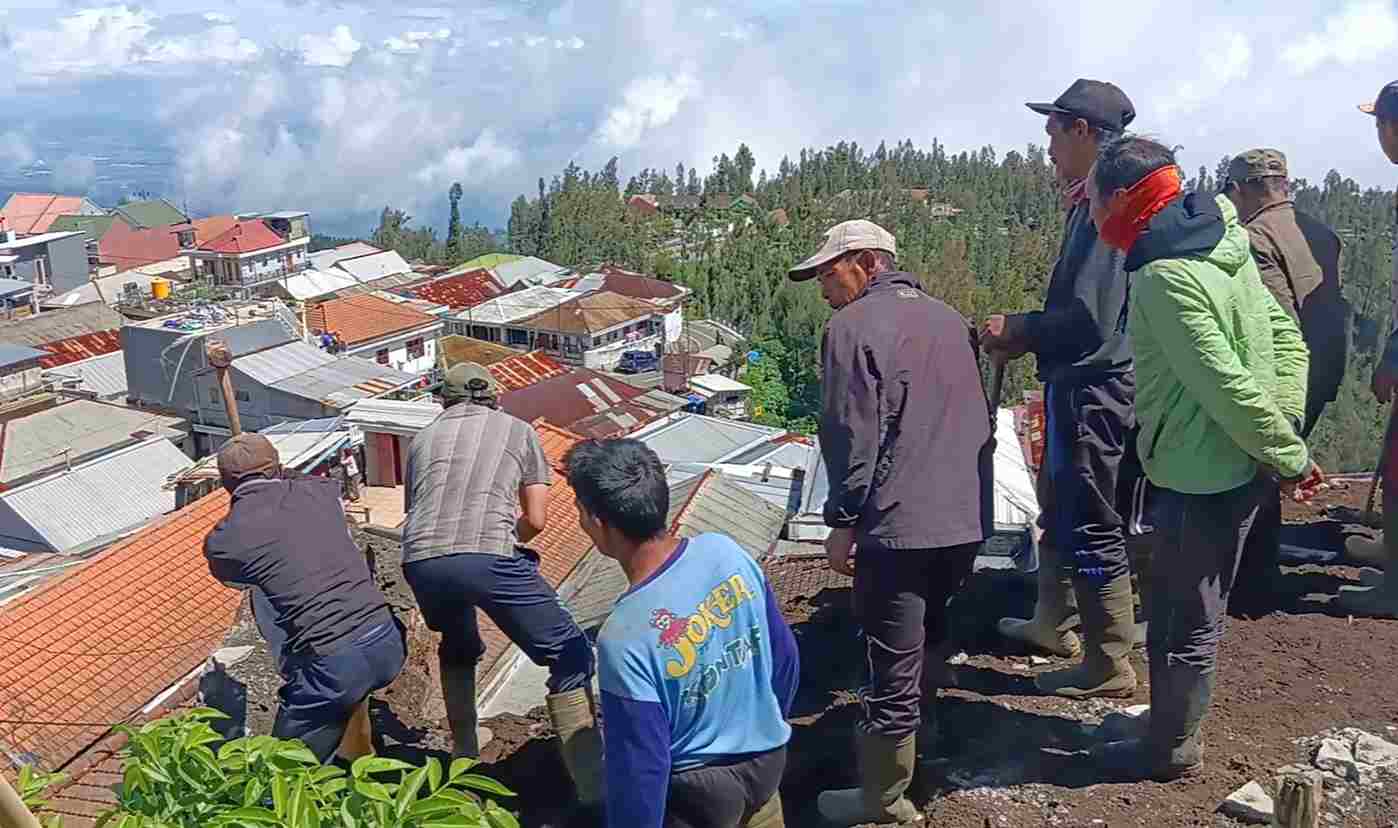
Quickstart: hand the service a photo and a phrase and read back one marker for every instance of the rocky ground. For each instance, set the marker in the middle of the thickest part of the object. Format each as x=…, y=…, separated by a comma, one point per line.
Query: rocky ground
x=1011, y=757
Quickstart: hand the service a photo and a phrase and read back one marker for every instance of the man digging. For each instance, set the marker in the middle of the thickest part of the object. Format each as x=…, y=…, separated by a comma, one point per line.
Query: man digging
x=905, y=436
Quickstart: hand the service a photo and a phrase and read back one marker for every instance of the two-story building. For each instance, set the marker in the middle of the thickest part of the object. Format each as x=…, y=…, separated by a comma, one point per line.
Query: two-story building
x=594, y=330
x=496, y=320
x=51, y=262
x=254, y=253
x=393, y=334
x=668, y=296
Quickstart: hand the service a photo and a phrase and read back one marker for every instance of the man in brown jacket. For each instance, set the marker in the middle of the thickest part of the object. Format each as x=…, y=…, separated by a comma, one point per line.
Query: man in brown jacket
x=905, y=435
x=1298, y=257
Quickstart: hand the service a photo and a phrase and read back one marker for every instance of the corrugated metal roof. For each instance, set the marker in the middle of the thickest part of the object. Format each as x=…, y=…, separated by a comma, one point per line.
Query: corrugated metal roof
x=512, y=307
x=528, y=269
x=85, y=428
x=256, y=336
x=375, y=265
x=104, y=375
x=694, y=438
x=96, y=500
x=788, y=453
x=273, y=365
x=15, y=354
x=778, y=485
x=341, y=381
x=54, y=325
x=308, y=284
x=715, y=383
x=374, y=415
x=325, y=259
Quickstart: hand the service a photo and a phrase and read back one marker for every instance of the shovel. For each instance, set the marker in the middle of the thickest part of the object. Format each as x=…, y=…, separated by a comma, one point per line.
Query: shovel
x=1370, y=517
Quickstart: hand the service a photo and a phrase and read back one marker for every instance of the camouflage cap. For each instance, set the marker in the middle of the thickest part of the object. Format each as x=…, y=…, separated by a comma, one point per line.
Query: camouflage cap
x=1255, y=164
x=469, y=381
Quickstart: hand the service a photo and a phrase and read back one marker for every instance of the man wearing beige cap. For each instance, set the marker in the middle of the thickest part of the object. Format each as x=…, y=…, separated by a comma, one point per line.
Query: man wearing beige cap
x=286, y=539
x=1381, y=596
x=476, y=487
x=1298, y=257
x=905, y=435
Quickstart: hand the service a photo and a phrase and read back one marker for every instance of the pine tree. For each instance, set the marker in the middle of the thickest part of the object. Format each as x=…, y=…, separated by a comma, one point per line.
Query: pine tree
x=454, y=239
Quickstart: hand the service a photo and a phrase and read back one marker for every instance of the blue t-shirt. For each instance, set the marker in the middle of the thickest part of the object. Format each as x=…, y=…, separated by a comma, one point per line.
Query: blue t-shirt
x=697, y=639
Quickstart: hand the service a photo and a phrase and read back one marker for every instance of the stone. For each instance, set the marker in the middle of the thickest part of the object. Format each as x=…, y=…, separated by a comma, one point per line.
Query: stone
x=1250, y=803
x=958, y=659
x=228, y=656
x=1335, y=756
x=1371, y=750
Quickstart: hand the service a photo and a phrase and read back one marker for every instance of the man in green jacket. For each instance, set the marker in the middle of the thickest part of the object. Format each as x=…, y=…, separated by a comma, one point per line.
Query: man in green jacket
x=1221, y=378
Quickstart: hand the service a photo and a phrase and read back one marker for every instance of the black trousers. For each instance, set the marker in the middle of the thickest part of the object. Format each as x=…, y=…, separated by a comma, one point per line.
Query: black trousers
x=726, y=795
x=901, y=598
x=1090, y=429
x=511, y=591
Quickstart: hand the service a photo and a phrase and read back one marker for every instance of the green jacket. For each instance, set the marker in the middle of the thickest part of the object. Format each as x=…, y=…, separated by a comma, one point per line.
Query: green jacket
x=1220, y=366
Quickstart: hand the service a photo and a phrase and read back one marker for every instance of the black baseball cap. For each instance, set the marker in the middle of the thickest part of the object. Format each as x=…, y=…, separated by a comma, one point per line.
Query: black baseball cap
x=1101, y=104
x=1385, y=106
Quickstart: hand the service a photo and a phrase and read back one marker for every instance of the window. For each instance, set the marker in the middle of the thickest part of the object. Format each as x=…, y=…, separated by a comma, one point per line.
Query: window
x=517, y=336
x=381, y=356
x=242, y=396
x=416, y=348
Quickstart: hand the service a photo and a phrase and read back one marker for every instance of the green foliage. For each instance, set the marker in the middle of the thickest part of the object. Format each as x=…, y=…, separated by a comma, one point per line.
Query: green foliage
x=420, y=244
x=32, y=785
x=322, y=242
x=174, y=778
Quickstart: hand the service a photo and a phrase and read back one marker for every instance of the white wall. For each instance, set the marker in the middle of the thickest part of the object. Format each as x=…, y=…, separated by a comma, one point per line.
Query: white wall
x=606, y=357
x=398, y=351
x=21, y=382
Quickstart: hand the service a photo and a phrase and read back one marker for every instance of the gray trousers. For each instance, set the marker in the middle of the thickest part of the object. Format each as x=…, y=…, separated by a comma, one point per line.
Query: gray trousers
x=1197, y=543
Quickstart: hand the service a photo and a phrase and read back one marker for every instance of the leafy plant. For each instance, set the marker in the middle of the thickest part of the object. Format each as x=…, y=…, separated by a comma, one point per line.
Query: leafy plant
x=31, y=787
x=174, y=779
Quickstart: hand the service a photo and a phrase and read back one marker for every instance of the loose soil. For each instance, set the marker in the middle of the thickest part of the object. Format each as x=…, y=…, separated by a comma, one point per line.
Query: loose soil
x=1008, y=755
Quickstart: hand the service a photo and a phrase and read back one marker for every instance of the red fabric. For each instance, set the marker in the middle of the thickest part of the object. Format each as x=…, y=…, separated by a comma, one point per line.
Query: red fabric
x=1139, y=205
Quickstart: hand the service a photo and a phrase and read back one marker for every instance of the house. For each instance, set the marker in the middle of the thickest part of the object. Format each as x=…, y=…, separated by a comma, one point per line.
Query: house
x=142, y=615
x=591, y=587
x=150, y=214
x=38, y=442
x=254, y=252
x=723, y=397
x=694, y=438
x=666, y=295
x=374, y=266
x=510, y=368
x=51, y=262
x=305, y=446
x=30, y=214
x=514, y=271
x=68, y=334
x=127, y=288
x=198, y=231
x=113, y=242
x=389, y=426
x=464, y=290
x=311, y=284
x=495, y=320
x=589, y=404
x=15, y=294
x=20, y=372
x=91, y=503
x=326, y=259
x=288, y=382
x=594, y=330
x=377, y=329
x=99, y=378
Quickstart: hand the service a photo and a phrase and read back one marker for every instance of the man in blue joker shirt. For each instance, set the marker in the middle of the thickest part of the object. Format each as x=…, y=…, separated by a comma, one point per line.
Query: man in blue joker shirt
x=696, y=665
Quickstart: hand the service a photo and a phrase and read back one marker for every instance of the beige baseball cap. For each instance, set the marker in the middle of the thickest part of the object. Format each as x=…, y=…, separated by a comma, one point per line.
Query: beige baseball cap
x=845, y=237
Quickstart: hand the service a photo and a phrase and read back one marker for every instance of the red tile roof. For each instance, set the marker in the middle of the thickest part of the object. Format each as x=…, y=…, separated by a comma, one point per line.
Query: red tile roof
x=79, y=347
x=127, y=248
x=30, y=213
x=524, y=370
x=562, y=401
x=243, y=237
x=464, y=290
x=208, y=229
x=561, y=546
x=365, y=318
x=97, y=644
x=637, y=285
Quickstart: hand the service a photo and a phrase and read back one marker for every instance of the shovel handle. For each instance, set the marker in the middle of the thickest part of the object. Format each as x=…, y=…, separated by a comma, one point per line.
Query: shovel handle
x=1378, y=465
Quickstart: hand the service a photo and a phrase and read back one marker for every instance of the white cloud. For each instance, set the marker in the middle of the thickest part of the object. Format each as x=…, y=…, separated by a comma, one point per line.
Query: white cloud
x=486, y=155
x=220, y=44
x=217, y=17
x=96, y=39
x=1361, y=32
x=740, y=31
x=335, y=49
x=75, y=174
x=1224, y=59
x=648, y=103
x=573, y=42
x=409, y=42
x=15, y=150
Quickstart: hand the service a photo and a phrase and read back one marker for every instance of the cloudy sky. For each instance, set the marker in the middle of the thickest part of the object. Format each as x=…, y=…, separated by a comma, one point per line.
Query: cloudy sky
x=342, y=107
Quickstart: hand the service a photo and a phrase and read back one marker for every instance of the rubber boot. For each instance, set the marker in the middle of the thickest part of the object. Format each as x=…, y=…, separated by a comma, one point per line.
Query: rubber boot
x=1108, y=633
x=769, y=815
x=1171, y=748
x=1380, y=600
x=1050, y=628
x=459, y=694
x=1366, y=552
x=579, y=741
x=885, y=771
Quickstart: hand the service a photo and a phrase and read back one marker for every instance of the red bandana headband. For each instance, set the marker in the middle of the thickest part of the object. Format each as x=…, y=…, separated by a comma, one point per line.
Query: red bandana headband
x=1139, y=205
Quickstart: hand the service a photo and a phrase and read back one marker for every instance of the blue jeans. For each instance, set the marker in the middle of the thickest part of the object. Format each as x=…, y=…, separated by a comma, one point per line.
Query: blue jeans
x=516, y=597
x=320, y=691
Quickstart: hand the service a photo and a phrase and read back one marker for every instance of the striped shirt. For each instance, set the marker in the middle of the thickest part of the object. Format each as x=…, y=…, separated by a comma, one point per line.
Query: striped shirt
x=462, y=481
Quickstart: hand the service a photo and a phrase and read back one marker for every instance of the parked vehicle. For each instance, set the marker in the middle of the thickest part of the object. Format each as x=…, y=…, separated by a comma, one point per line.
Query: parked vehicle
x=636, y=362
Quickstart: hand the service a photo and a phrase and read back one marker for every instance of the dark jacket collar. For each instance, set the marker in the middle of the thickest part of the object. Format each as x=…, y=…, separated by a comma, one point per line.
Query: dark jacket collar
x=1285, y=202
x=1189, y=227
x=888, y=279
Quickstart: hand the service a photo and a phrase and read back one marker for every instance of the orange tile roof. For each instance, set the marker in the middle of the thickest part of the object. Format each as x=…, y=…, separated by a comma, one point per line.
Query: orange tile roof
x=74, y=348
x=365, y=317
x=208, y=229
x=29, y=213
x=98, y=643
x=464, y=290
x=243, y=237
x=523, y=370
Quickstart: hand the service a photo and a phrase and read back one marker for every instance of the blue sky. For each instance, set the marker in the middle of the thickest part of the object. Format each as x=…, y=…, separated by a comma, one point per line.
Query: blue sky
x=342, y=107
